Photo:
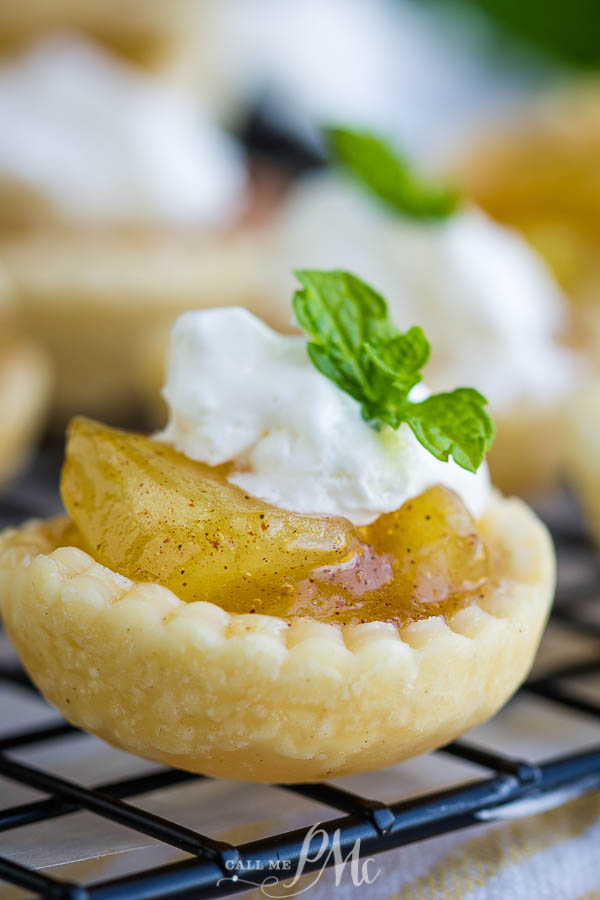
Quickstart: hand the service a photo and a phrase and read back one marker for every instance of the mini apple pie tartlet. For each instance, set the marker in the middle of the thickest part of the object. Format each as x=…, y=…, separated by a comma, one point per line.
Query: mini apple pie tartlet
x=306, y=574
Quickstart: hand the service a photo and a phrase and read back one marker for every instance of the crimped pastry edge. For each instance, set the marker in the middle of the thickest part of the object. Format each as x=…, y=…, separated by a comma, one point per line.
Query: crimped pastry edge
x=255, y=697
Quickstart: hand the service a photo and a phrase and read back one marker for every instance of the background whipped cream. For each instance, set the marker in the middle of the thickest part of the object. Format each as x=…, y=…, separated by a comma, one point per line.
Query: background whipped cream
x=485, y=300
x=238, y=391
x=105, y=144
x=308, y=62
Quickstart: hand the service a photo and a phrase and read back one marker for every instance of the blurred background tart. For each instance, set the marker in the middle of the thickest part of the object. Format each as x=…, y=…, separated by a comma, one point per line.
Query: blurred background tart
x=123, y=203
x=25, y=382
x=495, y=313
x=584, y=454
x=162, y=37
x=537, y=170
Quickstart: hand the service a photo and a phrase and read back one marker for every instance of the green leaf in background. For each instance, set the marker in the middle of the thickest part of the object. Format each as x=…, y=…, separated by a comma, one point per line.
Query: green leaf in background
x=354, y=343
x=570, y=31
x=379, y=167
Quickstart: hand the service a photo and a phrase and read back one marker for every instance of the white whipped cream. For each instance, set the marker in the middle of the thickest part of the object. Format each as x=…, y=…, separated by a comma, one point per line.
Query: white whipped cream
x=485, y=300
x=309, y=62
x=106, y=144
x=413, y=68
x=239, y=392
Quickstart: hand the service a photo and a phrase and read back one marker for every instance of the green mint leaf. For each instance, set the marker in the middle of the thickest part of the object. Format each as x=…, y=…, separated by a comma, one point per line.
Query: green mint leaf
x=353, y=340
x=354, y=343
x=401, y=356
x=453, y=424
x=380, y=168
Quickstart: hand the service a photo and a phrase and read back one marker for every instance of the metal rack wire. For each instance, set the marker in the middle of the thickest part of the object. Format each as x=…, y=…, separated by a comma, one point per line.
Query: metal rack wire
x=505, y=785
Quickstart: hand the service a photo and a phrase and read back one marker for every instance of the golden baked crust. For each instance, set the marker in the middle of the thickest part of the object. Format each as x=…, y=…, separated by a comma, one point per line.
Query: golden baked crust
x=256, y=697
x=24, y=398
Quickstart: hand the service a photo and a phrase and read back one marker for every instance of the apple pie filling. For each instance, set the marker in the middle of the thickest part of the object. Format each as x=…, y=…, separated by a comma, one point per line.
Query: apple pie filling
x=151, y=514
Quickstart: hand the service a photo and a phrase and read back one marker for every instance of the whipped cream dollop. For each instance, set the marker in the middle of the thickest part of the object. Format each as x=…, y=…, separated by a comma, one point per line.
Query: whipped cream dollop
x=239, y=392
x=103, y=143
x=486, y=301
x=310, y=62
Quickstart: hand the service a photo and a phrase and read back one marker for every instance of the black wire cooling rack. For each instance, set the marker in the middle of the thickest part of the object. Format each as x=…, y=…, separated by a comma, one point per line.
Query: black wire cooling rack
x=500, y=793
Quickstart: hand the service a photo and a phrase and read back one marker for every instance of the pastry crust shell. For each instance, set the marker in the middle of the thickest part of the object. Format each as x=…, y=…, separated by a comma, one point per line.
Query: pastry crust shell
x=256, y=697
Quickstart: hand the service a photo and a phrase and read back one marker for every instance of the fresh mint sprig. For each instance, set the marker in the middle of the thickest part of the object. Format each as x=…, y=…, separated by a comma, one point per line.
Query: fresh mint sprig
x=353, y=341
x=380, y=168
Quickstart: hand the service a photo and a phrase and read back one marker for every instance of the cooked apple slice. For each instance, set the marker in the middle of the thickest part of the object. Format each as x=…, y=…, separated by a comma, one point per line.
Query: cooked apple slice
x=152, y=514
x=439, y=556
x=424, y=559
